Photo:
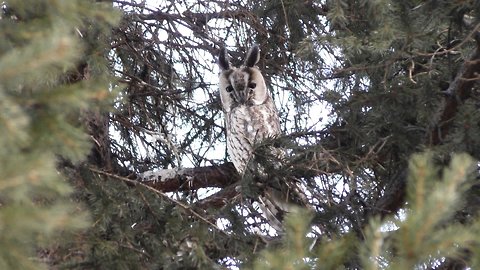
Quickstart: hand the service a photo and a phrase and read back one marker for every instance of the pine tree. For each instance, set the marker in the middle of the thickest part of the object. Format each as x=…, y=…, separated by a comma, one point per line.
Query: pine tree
x=420, y=238
x=42, y=94
x=394, y=78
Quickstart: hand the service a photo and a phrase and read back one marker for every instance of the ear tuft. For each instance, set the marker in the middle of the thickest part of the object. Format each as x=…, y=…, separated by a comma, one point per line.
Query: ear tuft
x=223, y=59
x=253, y=56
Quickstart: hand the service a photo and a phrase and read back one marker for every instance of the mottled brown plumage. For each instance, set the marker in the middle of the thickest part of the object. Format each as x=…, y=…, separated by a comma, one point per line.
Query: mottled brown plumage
x=250, y=114
x=250, y=117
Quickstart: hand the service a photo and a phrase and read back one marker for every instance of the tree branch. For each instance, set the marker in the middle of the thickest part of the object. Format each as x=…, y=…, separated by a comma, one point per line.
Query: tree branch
x=171, y=180
x=458, y=91
x=163, y=195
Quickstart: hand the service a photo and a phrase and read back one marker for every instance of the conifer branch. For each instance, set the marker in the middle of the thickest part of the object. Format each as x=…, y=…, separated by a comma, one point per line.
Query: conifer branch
x=163, y=195
x=188, y=179
x=458, y=91
x=219, y=199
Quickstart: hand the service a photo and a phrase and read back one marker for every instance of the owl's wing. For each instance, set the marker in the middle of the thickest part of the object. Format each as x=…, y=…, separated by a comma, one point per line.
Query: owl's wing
x=246, y=126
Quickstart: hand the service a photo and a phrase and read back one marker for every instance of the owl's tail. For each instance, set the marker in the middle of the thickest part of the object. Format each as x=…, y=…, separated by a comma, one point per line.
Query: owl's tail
x=276, y=203
x=274, y=207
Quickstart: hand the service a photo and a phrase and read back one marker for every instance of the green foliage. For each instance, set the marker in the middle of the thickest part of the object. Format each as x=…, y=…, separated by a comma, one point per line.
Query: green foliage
x=294, y=250
x=40, y=104
x=423, y=235
x=135, y=228
x=381, y=67
x=300, y=252
x=426, y=233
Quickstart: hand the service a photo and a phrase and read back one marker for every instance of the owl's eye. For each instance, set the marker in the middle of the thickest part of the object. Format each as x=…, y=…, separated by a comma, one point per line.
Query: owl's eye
x=252, y=85
x=229, y=88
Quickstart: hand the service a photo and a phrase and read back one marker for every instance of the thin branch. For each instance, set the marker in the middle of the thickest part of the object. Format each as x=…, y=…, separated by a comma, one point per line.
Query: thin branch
x=473, y=33
x=458, y=91
x=163, y=195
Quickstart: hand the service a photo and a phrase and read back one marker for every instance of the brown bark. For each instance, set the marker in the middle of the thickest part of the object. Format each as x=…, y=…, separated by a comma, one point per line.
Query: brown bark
x=458, y=91
x=194, y=178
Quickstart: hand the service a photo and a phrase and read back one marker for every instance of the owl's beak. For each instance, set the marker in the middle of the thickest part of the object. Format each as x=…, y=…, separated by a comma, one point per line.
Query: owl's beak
x=241, y=95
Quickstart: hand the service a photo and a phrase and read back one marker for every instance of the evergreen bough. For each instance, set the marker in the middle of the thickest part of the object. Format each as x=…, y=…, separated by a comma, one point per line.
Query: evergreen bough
x=42, y=44
x=420, y=237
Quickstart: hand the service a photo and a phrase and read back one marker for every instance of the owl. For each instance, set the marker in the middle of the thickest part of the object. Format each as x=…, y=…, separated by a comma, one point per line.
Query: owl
x=250, y=114
x=250, y=117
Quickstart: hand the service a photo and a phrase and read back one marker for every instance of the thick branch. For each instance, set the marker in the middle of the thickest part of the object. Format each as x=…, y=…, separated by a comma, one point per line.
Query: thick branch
x=393, y=197
x=191, y=178
x=458, y=91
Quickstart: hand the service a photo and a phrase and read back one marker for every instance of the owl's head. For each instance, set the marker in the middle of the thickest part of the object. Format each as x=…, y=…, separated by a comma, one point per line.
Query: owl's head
x=243, y=85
